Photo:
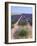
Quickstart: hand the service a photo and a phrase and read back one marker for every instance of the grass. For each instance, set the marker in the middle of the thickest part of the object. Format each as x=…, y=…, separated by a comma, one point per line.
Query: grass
x=23, y=33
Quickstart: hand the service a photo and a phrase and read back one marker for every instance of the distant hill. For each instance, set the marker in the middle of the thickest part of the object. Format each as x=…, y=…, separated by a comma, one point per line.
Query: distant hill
x=25, y=17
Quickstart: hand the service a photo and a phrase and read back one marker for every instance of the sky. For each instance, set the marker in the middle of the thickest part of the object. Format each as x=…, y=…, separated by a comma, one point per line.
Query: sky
x=20, y=10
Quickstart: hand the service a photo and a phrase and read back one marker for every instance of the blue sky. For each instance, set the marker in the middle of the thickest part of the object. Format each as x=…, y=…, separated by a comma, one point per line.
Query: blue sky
x=20, y=10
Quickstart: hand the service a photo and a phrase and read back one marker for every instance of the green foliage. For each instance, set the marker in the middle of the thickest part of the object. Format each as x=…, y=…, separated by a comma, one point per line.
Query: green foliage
x=13, y=22
x=22, y=22
x=12, y=26
x=23, y=33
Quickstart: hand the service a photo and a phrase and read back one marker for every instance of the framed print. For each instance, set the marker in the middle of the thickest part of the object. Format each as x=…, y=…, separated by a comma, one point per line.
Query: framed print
x=20, y=22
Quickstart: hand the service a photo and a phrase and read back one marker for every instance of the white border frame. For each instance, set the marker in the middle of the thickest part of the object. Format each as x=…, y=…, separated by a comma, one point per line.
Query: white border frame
x=33, y=26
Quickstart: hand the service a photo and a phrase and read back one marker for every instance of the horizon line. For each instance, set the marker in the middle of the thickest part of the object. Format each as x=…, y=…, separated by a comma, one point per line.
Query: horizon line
x=21, y=13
